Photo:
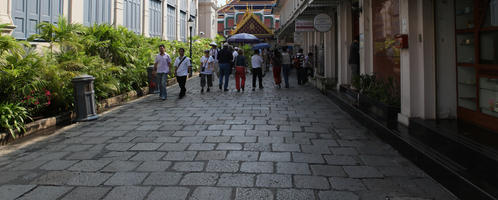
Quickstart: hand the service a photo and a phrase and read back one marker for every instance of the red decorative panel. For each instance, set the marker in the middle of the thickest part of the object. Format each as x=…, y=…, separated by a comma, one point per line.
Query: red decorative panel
x=268, y=22
x=277, y=24
x=221, y=27
x=230, y=23
x=385, y=24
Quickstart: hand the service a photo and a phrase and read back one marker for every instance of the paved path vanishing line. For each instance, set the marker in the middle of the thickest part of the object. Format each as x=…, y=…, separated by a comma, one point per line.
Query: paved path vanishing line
x=267, y=144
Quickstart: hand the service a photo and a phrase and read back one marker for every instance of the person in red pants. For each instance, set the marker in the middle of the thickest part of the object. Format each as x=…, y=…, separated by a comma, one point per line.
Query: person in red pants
x=276, y=62
x=240, y=70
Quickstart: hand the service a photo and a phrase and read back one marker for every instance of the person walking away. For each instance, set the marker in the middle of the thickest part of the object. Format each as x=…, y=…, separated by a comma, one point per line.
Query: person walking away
x=162, y=67
x=235, y=53
x=207, y=67
x=308, y=63
x=286, y=66
x=240, y=71
x=214, y=53
x=299, y=63
x=257, y=62
x=276, y=61
x=182, y=69
x=354, y=58
x=225, y=60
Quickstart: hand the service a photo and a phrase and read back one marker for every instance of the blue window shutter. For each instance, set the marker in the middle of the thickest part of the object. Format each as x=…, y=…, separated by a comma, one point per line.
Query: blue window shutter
x=33, y=17
x=56, y=10
x=45, y=11
x=19, y=18
x=86, y=15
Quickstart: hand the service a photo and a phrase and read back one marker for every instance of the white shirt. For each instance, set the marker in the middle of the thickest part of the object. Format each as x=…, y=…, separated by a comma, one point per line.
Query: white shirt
x=214, y=53
x=235, y=54
x=182, y=70
x=163, y=62
x=256, y=61
x=205, y=63
x=286, y=58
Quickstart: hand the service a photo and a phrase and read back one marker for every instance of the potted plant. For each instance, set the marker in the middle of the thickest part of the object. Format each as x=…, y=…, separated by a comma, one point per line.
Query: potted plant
x=379, y=98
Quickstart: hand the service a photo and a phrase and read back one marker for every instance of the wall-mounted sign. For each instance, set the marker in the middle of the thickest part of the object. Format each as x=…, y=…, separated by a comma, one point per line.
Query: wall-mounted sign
x=322, y=22
x=304, y=25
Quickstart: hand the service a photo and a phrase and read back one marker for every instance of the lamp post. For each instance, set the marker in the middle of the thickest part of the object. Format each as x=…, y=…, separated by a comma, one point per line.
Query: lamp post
x=190, y=20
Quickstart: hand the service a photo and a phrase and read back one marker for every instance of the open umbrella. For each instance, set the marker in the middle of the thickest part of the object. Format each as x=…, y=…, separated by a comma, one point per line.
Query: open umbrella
x=261, y=46
x=243, y=38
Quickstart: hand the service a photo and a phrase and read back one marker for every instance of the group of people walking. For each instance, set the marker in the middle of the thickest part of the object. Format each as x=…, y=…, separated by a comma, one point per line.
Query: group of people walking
x=221, y=62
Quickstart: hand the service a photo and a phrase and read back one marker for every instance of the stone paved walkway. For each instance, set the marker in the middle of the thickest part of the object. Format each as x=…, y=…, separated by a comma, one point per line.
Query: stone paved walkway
x=267, y=144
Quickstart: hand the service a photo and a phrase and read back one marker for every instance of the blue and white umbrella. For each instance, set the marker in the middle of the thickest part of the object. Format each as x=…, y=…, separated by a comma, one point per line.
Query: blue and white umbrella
x=263, y=45
x=243, y=38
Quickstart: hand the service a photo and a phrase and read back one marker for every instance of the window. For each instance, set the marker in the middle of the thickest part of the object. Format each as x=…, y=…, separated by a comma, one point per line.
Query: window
x=97, y=12
x=193, y=8
x=27, y=14
x=171, y=23
x=183, y=26
x=132, y=15
x=183, y=5
x=155, y=22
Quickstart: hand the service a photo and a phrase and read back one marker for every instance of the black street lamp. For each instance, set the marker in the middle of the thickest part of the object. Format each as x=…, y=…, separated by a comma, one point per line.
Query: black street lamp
x=190, y=20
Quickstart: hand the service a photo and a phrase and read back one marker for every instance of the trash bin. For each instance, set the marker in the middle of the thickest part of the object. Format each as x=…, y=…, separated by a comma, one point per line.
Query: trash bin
x=84, y=98
x=152, y=78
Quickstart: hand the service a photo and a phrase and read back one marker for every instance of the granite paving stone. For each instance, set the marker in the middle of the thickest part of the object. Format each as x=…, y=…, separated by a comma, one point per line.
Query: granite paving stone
x=163, y=178
x=188, y=166
x=266, y=144
x=45, y=192
x=168, y=193
x=199, y=179
x=211, y=193
x=153, y=166
x=11, y=192
x=127, y=193
x=295, y=194
x=253, y=193
x=86, y=193
x=222, y=166
x=126, y=178
x=236, y=180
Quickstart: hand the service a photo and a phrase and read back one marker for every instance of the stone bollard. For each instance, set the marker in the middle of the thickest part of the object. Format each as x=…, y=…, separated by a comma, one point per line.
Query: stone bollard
x=84, y=98
x=152, y=78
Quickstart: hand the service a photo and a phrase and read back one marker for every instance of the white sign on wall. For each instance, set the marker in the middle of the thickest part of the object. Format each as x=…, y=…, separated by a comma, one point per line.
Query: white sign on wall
x=304, y=25
x=322, y=22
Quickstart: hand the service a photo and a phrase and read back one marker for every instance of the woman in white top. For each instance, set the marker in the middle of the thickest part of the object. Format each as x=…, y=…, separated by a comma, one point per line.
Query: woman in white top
x=257, y=63
x=207, y=68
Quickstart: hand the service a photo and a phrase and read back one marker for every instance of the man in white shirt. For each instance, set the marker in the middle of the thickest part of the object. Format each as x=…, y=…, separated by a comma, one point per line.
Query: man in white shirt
x=257, y=63
x=162, y=66
x=207, y=67
x=182, y=68
x=235, y=53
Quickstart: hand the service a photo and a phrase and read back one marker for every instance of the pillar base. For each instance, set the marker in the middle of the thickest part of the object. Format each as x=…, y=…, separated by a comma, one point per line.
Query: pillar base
x=405, y=120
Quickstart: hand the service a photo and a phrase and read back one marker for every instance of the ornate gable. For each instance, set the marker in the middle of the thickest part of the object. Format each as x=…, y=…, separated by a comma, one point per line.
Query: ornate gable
x=252, y=25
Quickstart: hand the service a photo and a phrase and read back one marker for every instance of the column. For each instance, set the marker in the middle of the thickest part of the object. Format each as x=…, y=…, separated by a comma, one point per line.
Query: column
x=145, y=18
x=366, y=41
x=178, y=28
x=5, y=15
x=118, y=13
x=76, y=11
x=344, y=41
x=417, y=62
x=164, y=5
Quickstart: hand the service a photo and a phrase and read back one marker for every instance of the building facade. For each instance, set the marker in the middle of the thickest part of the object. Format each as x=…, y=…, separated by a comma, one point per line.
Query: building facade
x=448, y=69
x=167, y=19
x=208, y=18
x=442, y=56
x=230, y=15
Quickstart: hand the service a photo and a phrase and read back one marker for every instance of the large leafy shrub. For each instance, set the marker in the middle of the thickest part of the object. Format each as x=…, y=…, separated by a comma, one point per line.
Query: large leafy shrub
x=39, y=84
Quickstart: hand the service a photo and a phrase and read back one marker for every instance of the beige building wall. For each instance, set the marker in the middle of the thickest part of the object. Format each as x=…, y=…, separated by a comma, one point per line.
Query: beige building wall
x=207, y=18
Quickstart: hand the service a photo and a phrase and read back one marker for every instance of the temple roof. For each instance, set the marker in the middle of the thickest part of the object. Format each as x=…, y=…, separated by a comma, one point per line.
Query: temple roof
x=251, y=24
